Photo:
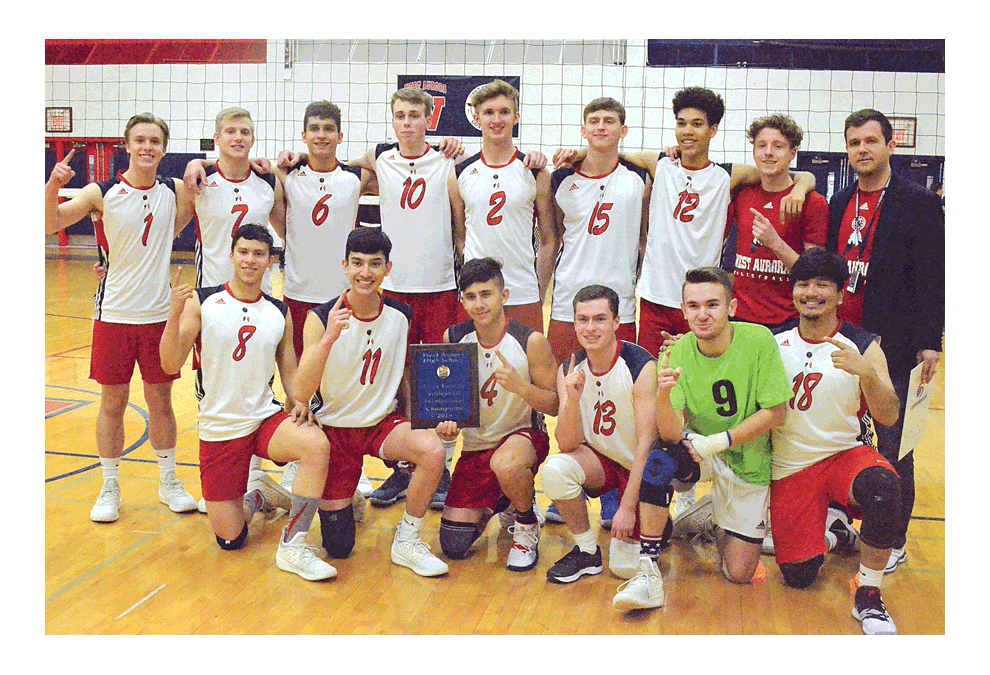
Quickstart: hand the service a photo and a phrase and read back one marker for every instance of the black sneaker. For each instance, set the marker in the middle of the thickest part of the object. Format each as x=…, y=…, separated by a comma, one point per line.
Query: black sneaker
x=440, y=496
x=392, y=490
x=574, y=565
x=870, y=611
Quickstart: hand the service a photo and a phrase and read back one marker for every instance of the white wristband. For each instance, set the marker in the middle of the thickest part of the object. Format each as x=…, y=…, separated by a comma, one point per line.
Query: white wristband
x=706, y=446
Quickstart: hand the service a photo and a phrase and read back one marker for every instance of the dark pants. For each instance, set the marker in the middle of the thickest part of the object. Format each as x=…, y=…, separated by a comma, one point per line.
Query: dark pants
x=889, y=445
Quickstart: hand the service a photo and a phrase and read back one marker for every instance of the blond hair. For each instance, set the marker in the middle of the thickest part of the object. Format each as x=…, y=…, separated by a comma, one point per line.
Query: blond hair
x=413, y=95
x=233, y=113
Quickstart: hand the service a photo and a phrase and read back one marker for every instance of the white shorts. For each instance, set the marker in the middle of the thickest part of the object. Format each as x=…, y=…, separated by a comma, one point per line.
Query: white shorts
x=738, y=505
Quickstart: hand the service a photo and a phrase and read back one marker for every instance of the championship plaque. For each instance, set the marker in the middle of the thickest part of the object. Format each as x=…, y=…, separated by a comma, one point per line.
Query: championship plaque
x=443, y=384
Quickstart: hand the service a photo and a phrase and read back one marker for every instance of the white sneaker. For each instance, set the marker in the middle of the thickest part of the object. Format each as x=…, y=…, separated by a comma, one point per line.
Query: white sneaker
x=364, y=485
x=869, y=610
x=289, y=475
x=623, y=558
x=201, y=507
x=276, y=496
x=695, y=522
x=507, y=517
x=524, y=553
x=171, y=491
x=896, y=559
x=643, y=591
x=107, y=506
x=299, y=558
x=840, y=533
x=409, y=551
x=360, y=505
x=682, y=502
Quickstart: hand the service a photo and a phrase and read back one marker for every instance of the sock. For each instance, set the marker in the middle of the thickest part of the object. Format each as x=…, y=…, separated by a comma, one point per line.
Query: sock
x=255, y=463
x=587, y=541
x=650, y=546
x=448, y=449
x=526, y=517
x=411, y=524
x=868, y=577
x=254, y=501
x=301, y=515
x=111, y=467
x=166, y=461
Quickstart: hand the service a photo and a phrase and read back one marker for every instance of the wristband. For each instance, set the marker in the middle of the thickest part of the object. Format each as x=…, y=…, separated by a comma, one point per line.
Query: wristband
x=706, y=446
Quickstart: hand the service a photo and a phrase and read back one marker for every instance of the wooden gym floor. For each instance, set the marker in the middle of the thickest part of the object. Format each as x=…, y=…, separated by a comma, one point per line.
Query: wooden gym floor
x=156, y=572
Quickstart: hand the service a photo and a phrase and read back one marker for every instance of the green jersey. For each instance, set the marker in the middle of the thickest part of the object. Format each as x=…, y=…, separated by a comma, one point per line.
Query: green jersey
x=717, y=394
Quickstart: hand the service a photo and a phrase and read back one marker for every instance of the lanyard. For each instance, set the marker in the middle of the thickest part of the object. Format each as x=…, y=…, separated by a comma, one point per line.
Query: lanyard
x=858, y=238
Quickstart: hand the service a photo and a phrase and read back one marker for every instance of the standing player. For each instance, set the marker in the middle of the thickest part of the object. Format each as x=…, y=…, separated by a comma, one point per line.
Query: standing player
x=139, y=216
x=725, y=382
x=766, y=245
x=499, y=459
x=892, y=233
x=354, y=354
x=817, y=453
x=244, y=333
x=495, y=199
x=604, y=431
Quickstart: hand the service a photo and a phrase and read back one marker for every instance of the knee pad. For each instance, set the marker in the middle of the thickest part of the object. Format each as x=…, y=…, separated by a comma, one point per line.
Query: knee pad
x=233, y=544
x=802, y=574
x=456, y=538
x=562, y=477
x=878, y=492
x=623, y=558
x=338, y=530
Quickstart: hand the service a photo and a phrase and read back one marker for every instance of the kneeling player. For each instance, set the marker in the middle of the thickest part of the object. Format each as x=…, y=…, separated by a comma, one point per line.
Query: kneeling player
x=817, y=453
x=499, y=459
x=244, y=334
x=354, y=356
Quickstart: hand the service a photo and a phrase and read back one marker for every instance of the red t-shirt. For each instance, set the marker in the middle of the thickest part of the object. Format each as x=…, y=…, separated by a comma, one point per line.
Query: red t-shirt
x=858, y=256
x=761, y=283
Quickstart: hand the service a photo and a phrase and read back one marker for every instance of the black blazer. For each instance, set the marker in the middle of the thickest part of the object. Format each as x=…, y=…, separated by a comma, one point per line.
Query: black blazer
x=904, y=298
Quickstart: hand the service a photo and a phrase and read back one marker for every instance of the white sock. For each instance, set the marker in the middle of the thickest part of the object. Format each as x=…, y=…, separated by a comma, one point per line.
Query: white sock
x=448, y=448
x=411, y=524
x=166, y=461
x=868, y=577
x=255, y=463
x=587, y=541
x=111, y=467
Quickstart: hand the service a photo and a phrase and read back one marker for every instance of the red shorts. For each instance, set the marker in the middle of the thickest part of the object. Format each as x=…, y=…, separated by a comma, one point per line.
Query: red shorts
x=799, y=502
x=563, y=340
x=529, y=315
x=616, y=478
x=433, y=313
x=298, y=310
x=654, y=318
x=474, y=485
x=224, y=465
x=348, y=446
x=118, y=346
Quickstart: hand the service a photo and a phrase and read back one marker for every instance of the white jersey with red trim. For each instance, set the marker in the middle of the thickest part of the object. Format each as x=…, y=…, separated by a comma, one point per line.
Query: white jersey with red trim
x=321, y=210
x=415, y=213
x=688, y=212
x=134, y=237
x=499, y=208
x=222, y=206
x=608, y=415
x=234, y=382
x=823, y=416
x=501, y=412
x=600, y=244
x=365, y=366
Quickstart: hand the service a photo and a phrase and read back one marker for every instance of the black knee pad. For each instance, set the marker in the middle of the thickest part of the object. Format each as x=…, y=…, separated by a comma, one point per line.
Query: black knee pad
x=456, y=538
x=802, y=574
x=233, y=544
x=878, y=492
x=338, y=530
x=666, y=462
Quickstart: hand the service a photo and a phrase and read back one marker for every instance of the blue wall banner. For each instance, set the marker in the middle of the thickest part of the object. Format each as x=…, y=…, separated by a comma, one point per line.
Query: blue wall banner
x=452, y=116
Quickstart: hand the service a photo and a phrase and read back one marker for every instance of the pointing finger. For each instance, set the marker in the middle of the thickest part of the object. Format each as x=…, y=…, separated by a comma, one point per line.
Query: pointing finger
x=665, y=363
x=836, y=343
x=65, y=160
x=501, y=358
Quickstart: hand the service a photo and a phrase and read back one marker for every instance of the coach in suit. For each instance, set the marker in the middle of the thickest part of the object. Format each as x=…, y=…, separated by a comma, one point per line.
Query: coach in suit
x=892, y=233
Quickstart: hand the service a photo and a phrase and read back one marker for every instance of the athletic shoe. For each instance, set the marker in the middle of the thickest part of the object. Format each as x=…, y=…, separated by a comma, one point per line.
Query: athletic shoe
x=524, y=553
x=897, y=557
x=767, y=547
x=360, y=506
x=409, y=551
x=871, y=613
x=610, y=504
x=392, y=490
x=276, y=496
x=623, y=558
x=201, y=507
x=682, y=502
x=840, y=535
x=507, y=518
x=289, y=475
x=171, y=491
x=440, y=496
x=696, y=522
x=299, y=558
x=643, y=591
x=574, y=565
x=364, y=485
x=107, y=506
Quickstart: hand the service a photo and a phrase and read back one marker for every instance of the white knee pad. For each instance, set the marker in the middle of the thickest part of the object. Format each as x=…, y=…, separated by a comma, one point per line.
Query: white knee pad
x=623, y=558
x=562, y=477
